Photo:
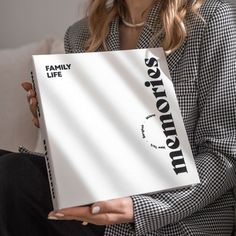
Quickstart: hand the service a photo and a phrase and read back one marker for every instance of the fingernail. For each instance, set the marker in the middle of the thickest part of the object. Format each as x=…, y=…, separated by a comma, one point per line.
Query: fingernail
x=31, y=101
x=85, y=223
x=59, y=215
x=28, y=93
x=96, y=210
x=52, y=218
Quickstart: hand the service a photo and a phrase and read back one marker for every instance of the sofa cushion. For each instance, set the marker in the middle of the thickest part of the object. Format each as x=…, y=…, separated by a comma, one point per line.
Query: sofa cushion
x=15, y=119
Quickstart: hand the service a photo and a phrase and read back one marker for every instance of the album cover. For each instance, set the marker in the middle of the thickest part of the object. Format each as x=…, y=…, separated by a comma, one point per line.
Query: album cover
x=111, y=126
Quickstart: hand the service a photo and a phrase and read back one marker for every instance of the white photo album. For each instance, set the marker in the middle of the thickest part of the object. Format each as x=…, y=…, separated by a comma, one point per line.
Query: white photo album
x=111, y=126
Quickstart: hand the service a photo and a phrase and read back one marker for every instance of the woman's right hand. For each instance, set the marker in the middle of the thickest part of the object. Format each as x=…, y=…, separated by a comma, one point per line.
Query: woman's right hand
x=32, y=100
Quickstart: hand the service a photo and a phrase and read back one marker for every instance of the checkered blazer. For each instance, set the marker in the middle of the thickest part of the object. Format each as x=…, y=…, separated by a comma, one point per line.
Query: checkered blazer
x=203, y=71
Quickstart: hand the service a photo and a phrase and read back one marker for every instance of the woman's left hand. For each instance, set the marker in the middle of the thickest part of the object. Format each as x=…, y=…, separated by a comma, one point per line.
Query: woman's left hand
x=110, y=212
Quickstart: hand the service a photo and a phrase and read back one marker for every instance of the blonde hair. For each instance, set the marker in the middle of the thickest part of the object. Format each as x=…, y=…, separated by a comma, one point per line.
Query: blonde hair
x=172, y=14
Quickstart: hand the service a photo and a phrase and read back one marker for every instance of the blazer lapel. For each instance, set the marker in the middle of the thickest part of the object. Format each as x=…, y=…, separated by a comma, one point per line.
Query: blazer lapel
x=150, y=29
x=153, y=27
x=174, y=57
x=113, y=39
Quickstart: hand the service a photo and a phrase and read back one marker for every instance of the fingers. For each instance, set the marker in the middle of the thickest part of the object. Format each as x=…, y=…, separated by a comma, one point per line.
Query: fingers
x=75, y=213
x=32, y=100
x=101, y=213
x=83, y=215
x=36, y=122
x=33, y=106
x=112, y=206
x=31, y=94
x=113, y=211
x=26, y=86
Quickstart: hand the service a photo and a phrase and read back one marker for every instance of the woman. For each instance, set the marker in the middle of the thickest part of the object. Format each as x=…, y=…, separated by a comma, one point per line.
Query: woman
x=199, y=40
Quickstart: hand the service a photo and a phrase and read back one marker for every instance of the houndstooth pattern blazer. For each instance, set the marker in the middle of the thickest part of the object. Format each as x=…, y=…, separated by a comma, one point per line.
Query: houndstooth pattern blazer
x=203, y=71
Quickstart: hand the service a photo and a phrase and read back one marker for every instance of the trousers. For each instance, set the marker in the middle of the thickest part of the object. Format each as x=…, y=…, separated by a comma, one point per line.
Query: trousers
x=25, y=200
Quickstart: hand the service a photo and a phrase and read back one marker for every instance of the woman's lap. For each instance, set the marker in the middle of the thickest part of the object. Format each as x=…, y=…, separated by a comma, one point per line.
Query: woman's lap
x=25, y=200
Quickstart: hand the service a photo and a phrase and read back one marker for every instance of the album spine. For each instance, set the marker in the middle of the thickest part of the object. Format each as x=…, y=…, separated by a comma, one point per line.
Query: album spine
x=48, y=160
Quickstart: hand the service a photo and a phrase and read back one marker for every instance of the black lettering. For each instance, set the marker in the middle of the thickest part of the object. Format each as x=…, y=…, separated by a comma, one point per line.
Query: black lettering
x=155, y=74
x=54, y=74
x=168, y=125
x=162, y=105
x=173, y=144
x=178, y=163
x=151, y=62
x=158, y=94
x=154, y=83
x=58, y=67
x=51, y=68
x=150, y=116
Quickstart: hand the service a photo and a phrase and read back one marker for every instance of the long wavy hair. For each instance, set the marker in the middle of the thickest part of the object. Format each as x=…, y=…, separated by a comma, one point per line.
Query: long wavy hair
x=172, y=16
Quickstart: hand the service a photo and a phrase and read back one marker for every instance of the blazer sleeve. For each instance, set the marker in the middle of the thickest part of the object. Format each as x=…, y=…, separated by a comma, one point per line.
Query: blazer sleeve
x=67, y=37
x=76, y=36
x=215, y=133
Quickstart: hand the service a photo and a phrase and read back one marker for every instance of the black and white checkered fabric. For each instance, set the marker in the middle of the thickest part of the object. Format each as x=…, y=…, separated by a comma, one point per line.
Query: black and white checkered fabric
x=203, y=71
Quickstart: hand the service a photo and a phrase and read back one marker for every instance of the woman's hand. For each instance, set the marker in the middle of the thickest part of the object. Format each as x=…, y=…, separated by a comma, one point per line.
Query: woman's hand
x=32, y=100
x=110, y=212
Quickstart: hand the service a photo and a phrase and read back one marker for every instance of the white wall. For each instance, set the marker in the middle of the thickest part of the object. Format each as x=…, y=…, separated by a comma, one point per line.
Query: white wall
x=25, y=21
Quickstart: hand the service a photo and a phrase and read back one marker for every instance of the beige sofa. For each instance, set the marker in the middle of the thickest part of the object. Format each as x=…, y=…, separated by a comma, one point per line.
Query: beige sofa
x=16, y=127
